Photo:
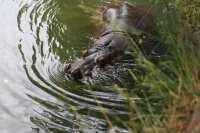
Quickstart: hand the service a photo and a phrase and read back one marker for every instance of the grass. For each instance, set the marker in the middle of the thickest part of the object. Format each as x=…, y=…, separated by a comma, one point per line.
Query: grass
x=166, y=93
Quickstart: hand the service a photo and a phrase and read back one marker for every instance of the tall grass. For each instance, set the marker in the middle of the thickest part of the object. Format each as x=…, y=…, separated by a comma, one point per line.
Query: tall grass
x=164, y=91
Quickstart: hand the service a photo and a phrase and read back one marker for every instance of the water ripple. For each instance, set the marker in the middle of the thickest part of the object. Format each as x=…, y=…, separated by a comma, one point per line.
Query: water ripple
x=51, y=32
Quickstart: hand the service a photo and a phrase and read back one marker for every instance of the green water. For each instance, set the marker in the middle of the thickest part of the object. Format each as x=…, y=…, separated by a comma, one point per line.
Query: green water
x=36, y=38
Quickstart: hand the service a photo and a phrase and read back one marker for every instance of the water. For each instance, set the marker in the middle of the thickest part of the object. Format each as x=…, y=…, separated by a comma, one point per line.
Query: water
x=36, y=38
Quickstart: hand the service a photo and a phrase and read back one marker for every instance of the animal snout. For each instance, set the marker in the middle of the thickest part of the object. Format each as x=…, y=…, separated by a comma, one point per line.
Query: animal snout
x=73, y=74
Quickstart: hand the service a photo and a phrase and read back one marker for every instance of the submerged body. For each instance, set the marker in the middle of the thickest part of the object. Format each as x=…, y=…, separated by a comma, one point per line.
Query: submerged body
x=120, y=24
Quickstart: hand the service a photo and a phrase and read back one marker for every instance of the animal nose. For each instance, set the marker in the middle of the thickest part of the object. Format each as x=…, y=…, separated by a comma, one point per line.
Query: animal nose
x=73, y=74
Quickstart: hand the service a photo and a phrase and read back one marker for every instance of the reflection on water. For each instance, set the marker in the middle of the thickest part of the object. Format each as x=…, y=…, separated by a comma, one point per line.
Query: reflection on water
x=36, y=38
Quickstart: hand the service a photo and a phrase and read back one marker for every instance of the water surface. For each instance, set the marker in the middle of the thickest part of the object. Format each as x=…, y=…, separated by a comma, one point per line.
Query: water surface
x=36, y=38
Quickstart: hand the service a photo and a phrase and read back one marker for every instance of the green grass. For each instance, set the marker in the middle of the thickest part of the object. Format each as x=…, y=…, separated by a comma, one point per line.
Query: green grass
x=164, y=91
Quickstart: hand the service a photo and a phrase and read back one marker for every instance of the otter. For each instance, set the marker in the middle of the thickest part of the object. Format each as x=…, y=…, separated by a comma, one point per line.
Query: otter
x=121, y=24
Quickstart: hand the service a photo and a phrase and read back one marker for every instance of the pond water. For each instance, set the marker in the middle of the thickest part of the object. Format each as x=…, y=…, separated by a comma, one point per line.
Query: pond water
x=36, y=38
